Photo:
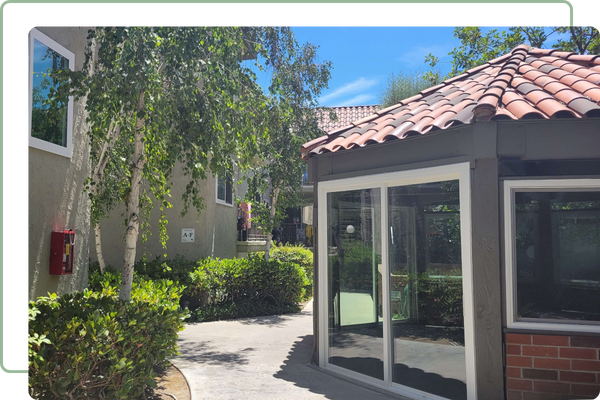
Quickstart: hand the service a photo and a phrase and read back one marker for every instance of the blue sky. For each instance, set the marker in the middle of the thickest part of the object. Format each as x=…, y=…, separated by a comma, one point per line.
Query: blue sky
x=364, y=57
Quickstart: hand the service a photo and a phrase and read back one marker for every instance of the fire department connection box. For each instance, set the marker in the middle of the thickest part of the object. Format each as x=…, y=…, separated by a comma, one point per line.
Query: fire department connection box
x=61, y=252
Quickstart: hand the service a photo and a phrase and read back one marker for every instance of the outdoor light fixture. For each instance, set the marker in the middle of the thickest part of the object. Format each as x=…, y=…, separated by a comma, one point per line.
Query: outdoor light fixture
x=350, y=229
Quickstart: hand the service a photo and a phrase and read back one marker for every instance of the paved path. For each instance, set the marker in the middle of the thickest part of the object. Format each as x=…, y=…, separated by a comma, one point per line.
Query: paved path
x=260, y=358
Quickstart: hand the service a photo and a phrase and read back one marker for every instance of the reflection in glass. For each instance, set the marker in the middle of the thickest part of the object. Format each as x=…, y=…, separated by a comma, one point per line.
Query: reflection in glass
x=46, y=123
x=558, y=256
x=354, y=268
x=426, y=288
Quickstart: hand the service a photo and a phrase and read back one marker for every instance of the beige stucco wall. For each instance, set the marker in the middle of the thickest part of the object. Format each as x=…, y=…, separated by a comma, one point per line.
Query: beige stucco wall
x=56, y=198
x=215, y=225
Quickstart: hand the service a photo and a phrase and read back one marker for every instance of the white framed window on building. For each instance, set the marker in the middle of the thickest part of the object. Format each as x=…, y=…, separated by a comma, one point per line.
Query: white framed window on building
x=552, y=254
x=224, y=191
x=49, y=130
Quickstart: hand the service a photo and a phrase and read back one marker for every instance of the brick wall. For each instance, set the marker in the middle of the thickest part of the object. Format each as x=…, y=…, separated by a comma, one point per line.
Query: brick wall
x=546, y=367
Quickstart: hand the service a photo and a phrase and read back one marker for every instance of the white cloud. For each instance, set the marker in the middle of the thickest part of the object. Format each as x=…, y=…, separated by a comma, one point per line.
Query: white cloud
x=416, y=56
x=358, y=85
x=360, y=100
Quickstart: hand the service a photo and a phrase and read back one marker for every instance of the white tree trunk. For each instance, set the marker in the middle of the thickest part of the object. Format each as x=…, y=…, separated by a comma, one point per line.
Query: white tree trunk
x=113, y=131
x=99, y=255
x=133, y=206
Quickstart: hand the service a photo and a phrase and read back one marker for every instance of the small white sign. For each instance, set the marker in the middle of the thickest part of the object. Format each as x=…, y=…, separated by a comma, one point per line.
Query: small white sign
x=188, y=235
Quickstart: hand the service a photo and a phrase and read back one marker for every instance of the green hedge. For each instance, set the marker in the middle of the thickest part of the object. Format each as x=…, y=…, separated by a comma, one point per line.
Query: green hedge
x=239, y=287
x=91, y=345
x=298, y=255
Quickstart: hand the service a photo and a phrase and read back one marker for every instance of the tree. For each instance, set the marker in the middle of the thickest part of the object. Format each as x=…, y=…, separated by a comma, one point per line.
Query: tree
x=403, y=85
x=582, y=39
x=163, y=98
x=298, y=80
x=477, y=47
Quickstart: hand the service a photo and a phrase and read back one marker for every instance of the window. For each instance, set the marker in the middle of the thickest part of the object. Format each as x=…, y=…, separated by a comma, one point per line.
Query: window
x=395, y=275
x=49, y=130
x=224, y=191
x=552, y=230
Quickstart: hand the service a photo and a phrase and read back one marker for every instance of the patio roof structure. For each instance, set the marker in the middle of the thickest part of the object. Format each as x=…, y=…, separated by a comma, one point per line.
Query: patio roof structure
x=527, y=83
x=488, y=186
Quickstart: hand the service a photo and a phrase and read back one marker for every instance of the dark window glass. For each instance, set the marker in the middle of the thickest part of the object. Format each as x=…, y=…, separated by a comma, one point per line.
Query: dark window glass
x=557, y=250
x=224, y=190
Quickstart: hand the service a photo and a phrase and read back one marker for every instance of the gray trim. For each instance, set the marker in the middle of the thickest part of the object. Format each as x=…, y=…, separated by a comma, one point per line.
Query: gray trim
x=487, y=280
x=549, y=332
x=401, y=167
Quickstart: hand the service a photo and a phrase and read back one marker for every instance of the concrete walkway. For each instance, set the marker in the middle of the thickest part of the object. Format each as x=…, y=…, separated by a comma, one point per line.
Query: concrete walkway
x=260, y=358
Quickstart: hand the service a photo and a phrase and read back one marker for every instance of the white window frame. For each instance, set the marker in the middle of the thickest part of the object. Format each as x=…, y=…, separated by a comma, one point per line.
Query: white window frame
x=510, y=188
x=67, y=151
x=217, y=199
x=460, y=172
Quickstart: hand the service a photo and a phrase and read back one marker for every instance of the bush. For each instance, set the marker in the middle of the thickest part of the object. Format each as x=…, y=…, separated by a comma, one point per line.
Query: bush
x=177, y=269
x=241, y=309
x=356, y=272
x=234, y=288
x=298, y=255
x=440, y=300
x=91, y=345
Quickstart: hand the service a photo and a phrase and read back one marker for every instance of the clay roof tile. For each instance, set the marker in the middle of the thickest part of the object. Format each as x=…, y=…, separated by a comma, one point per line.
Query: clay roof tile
x=523, y=84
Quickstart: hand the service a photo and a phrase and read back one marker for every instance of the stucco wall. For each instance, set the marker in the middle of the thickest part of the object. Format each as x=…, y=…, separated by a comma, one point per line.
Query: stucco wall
x=56, y=198
x=215, y=225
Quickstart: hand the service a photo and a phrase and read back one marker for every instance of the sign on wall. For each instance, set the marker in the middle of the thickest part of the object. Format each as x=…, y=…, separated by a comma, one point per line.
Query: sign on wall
x=188, y=235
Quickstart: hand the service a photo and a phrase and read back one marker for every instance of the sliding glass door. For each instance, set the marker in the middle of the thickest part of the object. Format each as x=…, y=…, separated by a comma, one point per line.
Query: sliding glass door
x=426, y=288
x=354, y=278
x=396, y=259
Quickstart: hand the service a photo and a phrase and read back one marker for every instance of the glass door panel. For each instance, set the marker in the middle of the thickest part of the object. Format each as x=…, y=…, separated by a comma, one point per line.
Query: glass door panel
x=426, y=288
x=355, y=320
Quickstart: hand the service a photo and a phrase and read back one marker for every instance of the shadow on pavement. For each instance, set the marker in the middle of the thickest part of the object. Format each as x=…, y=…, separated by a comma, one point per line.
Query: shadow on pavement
x=295, y=369
x=201, y=352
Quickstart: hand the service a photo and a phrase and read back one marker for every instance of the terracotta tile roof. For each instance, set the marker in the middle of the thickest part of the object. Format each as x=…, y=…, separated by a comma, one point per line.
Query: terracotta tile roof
x=527, y=83
x=345, y=116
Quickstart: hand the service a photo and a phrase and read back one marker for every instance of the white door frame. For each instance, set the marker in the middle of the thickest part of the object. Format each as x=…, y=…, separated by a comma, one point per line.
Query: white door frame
x=461, y=172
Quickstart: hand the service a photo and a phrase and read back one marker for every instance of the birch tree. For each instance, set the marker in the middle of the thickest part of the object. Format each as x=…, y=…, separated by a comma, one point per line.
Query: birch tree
x=160, y=98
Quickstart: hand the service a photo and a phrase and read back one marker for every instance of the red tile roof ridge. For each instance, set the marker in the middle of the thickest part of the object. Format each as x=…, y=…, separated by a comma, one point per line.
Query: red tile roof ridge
x=525, y=83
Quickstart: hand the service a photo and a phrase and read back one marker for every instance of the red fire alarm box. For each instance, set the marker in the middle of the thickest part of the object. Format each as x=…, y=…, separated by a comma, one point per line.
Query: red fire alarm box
x=61, y=252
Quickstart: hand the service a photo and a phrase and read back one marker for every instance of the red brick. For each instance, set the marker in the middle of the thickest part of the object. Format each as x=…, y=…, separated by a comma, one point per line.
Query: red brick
x=585, y=365
x=540, y=351
x=515, y=338
x=543, y=396
x=518, y=361
x=549, y=340
x=512, y=372
x=551, y=363
x=551, y=387
x=582, y=341
x=518, y=384
x=513, y=395
x=588, y=354
x=540, y=374
x=513, y=349
x=587, y=390
x=569, y=376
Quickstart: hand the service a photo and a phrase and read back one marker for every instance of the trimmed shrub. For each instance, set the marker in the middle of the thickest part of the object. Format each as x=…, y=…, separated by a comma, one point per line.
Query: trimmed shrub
x=177, y=269
x=91, y=345
x=235, y=288
x=241, y=309
x=440, y=300
x=298, y=255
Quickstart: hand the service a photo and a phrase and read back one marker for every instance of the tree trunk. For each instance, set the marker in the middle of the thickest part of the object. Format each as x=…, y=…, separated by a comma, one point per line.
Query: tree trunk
x=273, y=212
x=99, y=255
x=133, y=206
x=113, y=131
